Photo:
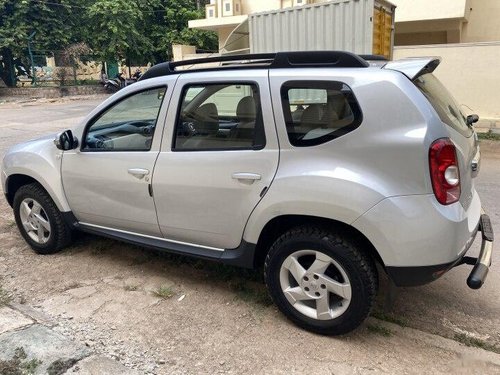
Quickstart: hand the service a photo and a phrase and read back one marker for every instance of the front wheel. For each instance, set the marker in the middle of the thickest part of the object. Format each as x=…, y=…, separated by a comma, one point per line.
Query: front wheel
x=39, y=220
x=320, y=280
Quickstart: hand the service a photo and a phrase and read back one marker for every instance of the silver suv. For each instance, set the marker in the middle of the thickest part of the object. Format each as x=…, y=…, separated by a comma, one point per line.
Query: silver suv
x=314, y=165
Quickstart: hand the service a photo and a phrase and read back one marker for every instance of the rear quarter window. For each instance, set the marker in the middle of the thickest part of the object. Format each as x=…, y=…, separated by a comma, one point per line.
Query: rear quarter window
x=443, y=102
x=318, y=111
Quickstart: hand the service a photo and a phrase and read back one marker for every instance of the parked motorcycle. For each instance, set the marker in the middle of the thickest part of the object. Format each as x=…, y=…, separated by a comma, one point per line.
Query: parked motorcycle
x=119, y=82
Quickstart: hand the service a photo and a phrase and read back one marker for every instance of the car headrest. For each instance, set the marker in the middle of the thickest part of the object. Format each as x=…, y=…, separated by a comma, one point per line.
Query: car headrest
x=208, y=119
x=246, y=110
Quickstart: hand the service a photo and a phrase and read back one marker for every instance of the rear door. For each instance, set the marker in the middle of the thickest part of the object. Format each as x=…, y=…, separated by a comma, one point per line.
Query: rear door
x=219, y=156
x=462, y=135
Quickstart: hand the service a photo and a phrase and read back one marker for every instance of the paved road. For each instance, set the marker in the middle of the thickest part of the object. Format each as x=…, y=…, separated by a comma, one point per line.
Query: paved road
x=100, y=291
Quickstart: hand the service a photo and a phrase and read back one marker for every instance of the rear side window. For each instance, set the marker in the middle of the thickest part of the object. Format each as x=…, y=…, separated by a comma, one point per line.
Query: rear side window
x=318, y=111
x=444, y=103
x=225, y=116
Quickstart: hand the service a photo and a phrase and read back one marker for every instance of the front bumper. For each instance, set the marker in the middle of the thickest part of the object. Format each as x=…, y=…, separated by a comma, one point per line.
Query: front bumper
x=420, y=275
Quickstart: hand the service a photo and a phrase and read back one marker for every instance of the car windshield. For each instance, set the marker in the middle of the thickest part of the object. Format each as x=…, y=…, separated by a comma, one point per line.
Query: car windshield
x=443, y=102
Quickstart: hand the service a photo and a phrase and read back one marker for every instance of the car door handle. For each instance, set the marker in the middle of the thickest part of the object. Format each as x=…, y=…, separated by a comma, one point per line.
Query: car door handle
x=246, y=176
x=138, y=172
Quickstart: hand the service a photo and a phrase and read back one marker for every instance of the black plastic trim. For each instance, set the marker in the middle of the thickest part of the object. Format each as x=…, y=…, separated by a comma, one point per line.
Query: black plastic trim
x=477, y=276
x=242, y=256
x=486, y=228
x=303, y=59
x=70, y=219
x=374, y=57
x=416, y=276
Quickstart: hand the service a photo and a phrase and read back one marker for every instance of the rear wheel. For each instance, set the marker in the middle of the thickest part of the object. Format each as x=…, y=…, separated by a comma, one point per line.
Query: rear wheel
x=320, y=280
x=39, y=220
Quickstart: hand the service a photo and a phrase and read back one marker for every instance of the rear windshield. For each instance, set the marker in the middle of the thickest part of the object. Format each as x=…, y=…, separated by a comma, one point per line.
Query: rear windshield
x=444, y=104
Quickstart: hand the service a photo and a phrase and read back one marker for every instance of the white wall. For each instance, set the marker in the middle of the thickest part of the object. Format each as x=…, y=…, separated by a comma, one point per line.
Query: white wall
x=470, y=71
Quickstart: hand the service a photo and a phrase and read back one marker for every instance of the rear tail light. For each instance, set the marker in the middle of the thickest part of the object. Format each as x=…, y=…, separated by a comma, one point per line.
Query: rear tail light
x=445, y=175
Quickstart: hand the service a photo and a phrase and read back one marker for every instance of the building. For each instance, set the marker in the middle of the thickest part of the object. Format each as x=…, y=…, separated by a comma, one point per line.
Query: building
x=224, y=16
x=465, y=33
x=421, y=22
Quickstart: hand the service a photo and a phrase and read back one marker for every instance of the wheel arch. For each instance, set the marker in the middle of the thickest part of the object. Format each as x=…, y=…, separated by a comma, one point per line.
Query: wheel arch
x=280, y=224
x=14, y=182
x=17, y=180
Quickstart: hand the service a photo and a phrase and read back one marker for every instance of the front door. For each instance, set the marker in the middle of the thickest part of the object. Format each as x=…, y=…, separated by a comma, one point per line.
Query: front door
x=219, y=156
x=107, y=180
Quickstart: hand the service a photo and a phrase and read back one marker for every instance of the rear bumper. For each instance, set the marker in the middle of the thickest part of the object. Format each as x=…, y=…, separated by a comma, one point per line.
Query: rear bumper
x=420, y=275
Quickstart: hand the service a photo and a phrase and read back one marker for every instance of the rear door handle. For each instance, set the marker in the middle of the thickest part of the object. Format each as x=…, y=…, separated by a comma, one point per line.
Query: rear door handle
x=138, y=172
x=246, y=176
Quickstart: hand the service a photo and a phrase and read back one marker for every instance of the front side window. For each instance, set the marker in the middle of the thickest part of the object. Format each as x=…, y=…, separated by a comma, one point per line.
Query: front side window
x=318, y=111
x=220, y=117
x=128, y=125
x=443, y=102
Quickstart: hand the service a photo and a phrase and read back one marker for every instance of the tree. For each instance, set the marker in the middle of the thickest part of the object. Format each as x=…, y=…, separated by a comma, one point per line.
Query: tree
x=123, y=29
x=170, y=26
x=137, y=30
x=117, y=30
x=53, y=23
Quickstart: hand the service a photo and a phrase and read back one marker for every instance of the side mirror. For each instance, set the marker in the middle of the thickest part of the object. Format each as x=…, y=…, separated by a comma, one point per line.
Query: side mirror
x=471, y=119
x=66, y=141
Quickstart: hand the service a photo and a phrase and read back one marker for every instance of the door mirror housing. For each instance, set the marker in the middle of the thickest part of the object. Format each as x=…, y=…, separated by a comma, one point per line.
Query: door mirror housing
x=471, y=119
x=66, y=141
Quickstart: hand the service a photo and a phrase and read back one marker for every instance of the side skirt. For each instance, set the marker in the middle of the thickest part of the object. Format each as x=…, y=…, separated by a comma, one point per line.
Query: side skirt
x=242, y=256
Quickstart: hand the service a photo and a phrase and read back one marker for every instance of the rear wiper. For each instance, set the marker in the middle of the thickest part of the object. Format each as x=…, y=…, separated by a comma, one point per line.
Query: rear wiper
x=471, y=119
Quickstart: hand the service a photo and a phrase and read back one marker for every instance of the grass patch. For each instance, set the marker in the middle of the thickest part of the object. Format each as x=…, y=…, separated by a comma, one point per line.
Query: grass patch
x=379, y=330
x=11, y=224
x=131, y=288
x=477, y=343
x=5, y=298
x=246, y=284
x=489, y=135
x=60, y=366
x=163, y=292
x=390, y=318
x=18, y=365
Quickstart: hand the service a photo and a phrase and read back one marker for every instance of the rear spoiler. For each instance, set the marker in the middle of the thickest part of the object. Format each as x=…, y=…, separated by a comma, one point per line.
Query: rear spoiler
x=414, y=67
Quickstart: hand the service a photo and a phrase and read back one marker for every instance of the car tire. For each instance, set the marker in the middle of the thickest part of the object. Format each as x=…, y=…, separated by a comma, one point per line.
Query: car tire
x=39, y=220
x=337, y=283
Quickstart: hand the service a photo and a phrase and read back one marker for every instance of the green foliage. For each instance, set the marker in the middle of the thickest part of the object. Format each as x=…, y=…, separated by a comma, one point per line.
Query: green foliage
x=474, y=342
x=19, y=365
x=170, y=27
x=379, y=330
x=489, y=135
x=116, y=30
x=5, y=297
x=163, y=292
x=131, y=30
x=20, y=18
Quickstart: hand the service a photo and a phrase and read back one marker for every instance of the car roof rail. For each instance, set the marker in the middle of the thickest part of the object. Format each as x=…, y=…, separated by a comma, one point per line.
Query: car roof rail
x=277, y=60
x=374, y=57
